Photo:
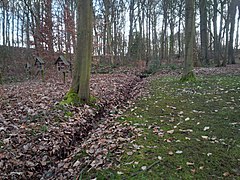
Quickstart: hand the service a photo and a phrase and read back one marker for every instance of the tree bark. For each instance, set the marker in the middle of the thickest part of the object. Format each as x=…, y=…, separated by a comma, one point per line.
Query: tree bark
x=131, y=19
x=203, y=32
x=216, y=44
x=189, y=40
x=82, y=66
x=232, y=9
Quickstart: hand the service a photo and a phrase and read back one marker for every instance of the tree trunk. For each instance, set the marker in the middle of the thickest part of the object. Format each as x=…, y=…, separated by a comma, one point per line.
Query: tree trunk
x=13, y=26
x=189, y=41
x=131, y=18
x=172, y=38
x=232, y=10
x=164, y=30
x=180, y=6
x=216, y=45
x=237, y=33
x=203, y=32
x=18, y=20
x=225, y=59
x=82, y=66
x=221, y=32
x=3, y=27
x=49, y=23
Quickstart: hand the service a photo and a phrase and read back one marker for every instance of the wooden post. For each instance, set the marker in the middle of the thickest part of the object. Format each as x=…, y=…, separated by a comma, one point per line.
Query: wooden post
x=42, y=71
x=42, y=74
x=64, y=77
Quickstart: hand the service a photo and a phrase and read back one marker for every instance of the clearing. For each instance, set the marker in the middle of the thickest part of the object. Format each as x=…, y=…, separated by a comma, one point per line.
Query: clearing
x=174, y=130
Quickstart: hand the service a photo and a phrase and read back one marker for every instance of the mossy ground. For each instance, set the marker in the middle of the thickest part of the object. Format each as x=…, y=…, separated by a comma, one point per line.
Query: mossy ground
x=72, y=98
x=205, y=143
x=188, y=77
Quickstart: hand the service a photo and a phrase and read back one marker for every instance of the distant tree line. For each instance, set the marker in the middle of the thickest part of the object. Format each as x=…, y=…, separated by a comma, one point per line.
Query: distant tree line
x=125, y=30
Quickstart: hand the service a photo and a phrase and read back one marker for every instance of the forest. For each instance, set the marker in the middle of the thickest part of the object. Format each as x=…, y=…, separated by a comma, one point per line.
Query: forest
x=119, y=89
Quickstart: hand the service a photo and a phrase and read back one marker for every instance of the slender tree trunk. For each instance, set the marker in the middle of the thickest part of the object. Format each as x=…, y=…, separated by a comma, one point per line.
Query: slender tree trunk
x=13, y=26
x=231, y=58
x=237, y=34
x=50, y=26
x=140, y=22
x=216, y=45
x=221, y=32
x=131, y=18
x=209, y=22
x=18, y=20
x=148, y=33
x=179, y=28
x=7, y=29
x=67, y=22
x=27, y=36
x=225, y=59
x=108, y=30
x=73, y=33
x=172, y=39
x=22, y=31
x=203, y=32
x=3, y=27
x=164, y=30
x=155, y=37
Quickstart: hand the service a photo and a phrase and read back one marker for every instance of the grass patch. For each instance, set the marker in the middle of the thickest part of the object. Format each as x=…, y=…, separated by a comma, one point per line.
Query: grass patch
x=189, y=130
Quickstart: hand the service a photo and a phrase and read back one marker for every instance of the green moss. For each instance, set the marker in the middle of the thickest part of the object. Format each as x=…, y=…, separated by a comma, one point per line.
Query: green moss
x=44, y=128
x=68, y=114
x=188, y=77
x=71, y=98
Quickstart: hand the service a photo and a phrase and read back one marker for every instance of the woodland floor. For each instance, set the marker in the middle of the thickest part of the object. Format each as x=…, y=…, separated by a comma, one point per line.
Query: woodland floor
x=138, y=128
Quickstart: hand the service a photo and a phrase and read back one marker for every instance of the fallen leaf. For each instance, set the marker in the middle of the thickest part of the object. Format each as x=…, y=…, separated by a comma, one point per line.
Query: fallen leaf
x=206, y=128
x=170, y=131
x=209, y=154
x=187, y=119
x=226, y=174
x=130, y=153
x=77, y=163
x=193, y=171
x=179, y=152
x=136, y=146
x=190, y=164
x=205, y=137
x=181, y=112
